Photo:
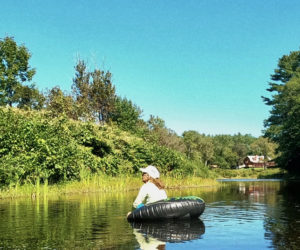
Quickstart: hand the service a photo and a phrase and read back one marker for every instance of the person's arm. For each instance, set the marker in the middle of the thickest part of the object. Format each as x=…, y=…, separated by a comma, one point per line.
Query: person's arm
x=141, y=196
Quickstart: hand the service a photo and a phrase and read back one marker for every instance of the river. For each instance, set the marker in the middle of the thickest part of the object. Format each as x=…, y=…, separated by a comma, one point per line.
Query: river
x=239, y=215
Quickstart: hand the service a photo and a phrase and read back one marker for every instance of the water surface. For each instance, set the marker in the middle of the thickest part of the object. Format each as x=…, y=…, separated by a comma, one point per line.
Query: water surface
x=238, y=215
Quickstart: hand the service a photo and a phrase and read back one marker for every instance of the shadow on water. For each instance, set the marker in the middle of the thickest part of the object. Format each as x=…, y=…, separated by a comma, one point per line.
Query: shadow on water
x=157, y=234
x=283, y=224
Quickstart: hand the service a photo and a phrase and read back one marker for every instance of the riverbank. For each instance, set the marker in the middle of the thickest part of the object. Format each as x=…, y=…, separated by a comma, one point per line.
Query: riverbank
x=253, y=173
x=104, y=184
x=99, y=184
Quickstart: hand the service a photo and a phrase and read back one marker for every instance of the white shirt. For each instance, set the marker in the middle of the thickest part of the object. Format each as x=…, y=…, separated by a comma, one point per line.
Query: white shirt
x=151, y=193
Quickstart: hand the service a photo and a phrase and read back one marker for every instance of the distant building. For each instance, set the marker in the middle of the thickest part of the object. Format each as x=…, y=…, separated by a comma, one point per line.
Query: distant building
x=254, y=161
x=271, y=164
x=258, y=161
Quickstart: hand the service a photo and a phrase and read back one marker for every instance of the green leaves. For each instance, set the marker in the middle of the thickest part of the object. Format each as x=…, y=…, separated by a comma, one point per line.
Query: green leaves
x=126, y=115
x=33, y=145
x=282, y=126
x=94, y=93
x=14, y=69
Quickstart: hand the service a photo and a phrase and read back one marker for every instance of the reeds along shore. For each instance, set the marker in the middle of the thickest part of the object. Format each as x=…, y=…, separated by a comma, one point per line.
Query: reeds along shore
x=105, y=184
x=98, y=184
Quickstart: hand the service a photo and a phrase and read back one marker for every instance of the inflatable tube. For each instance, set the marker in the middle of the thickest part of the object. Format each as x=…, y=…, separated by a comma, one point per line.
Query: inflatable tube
x=171, y=230
x=172, y=208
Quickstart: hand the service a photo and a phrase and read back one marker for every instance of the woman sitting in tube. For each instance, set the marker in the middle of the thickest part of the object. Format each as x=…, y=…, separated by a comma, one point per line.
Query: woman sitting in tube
x=152, y=190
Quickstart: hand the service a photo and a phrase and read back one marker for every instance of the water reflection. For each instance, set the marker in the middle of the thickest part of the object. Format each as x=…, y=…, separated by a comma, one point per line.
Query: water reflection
x=78, y=222
x=154, y=235
x=238, y=215
x=282, y=223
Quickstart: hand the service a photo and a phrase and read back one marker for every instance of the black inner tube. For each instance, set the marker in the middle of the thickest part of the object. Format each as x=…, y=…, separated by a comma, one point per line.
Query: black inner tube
x=173, y=208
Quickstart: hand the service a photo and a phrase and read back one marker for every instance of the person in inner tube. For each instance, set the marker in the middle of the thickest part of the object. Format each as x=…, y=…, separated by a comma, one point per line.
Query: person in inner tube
x=152, y=190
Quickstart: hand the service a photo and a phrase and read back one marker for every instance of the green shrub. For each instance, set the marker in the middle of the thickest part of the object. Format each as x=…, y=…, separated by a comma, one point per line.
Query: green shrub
x=35, y=147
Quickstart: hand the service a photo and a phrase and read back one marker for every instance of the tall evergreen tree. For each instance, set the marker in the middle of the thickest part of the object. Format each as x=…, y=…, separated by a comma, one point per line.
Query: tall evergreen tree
x=82, y=90
x=102, y=94
x=94, y=93
x=283, y=124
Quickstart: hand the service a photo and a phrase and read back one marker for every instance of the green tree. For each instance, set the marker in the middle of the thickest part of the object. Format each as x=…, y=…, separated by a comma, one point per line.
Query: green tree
x=283, y=124
x=190, y=141
x=160, y=134
x=94, y=93
x=198, y=146
x=263, y=146
x=14, y=69
x=102, y=94
x=60, y=104
x=82, y=91
x=241, y=146
x=126, y=114
x=224, y=154
x=28, y=97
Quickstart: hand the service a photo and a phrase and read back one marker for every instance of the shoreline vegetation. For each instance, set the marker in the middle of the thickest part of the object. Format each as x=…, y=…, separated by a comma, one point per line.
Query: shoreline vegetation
x=39, y=151
x=105, y=184
x=98, y=184
x=92, y=140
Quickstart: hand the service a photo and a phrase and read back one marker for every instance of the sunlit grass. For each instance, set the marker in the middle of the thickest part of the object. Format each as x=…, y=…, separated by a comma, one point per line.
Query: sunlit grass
x=98, y=184
x=107, y=184
x=188, y=182
x=253, y=173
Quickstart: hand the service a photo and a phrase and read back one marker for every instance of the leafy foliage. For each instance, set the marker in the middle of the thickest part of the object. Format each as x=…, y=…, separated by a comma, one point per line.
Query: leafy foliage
x=283, y=124
x=198, y=147
x=35, y=146
x=94, y=93
x=126, y=115
x=14, y=70
x=60, y=104
x=158, y=133
x=225, y=151
x=73, y=136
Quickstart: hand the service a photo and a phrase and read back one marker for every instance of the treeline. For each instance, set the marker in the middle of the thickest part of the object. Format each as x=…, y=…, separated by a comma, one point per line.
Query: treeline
x=283, y=125
x=37, y=147
x=57, y=136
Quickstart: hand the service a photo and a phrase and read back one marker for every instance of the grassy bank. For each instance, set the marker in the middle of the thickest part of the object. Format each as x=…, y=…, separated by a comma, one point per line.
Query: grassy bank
x=105, y=184
x=253, y=173
x=99, y=184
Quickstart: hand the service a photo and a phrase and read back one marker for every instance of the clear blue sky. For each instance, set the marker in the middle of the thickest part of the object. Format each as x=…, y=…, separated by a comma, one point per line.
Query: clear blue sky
x=198, y=64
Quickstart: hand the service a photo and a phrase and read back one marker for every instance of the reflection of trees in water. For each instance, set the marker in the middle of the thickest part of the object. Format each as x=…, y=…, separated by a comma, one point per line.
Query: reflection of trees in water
x=244, y=194
x=262, y=192
x=81, y=223
x=281, y=208
x=283, y=219
x=155, y=234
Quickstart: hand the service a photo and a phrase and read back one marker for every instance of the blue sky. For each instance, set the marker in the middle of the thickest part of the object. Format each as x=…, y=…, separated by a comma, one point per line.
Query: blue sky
x=198, y=64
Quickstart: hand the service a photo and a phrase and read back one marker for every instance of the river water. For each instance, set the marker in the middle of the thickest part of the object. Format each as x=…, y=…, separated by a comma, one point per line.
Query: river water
x=238, y=215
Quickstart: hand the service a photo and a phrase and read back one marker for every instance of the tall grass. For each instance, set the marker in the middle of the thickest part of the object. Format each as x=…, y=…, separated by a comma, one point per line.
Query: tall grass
x=97, y=184
x=101, y=183
x=254, y=173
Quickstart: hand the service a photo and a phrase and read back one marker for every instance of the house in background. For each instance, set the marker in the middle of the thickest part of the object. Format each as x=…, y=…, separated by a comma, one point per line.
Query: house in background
x=258, y=161
x=254, y=161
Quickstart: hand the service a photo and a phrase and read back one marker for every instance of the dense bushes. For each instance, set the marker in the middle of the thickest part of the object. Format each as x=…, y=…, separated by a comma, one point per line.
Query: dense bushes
x=36, y=147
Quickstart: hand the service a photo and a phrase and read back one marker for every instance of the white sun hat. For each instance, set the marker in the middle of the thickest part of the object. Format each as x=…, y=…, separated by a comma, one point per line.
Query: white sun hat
x=151, y=171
